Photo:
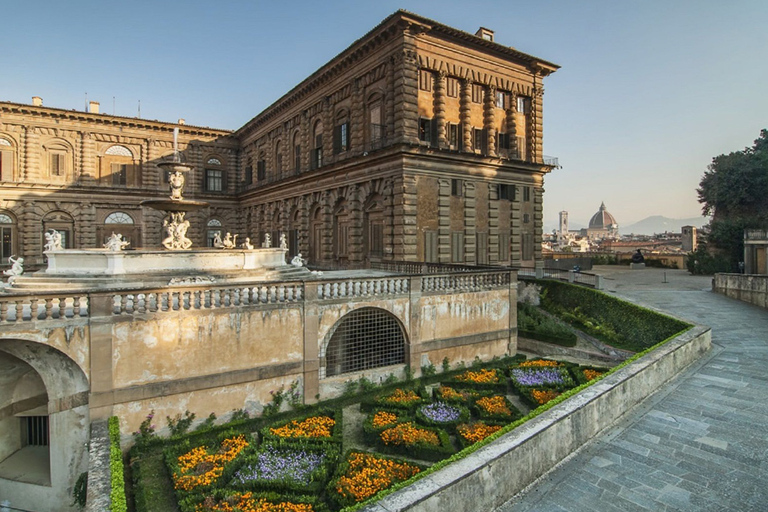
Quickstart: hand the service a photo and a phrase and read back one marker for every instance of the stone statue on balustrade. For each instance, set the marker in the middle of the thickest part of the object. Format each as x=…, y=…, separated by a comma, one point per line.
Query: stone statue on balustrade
x=267, y=241
x=217, y=242
x=247, y=244
x=283, y=242
x=116, y=242
x=229, y=242
x=53, y=241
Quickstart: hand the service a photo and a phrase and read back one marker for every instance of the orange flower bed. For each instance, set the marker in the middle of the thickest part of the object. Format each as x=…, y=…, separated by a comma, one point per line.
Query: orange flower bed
x=479, y=377
x=198, y=468
x=247, y=503
x=539, y=362
x=400, y=396
x=383, y=418
x=368, y=475
x=495, y=405
x=591, y=374
x=448, y=393
x=477, y=431
x=314, y=427
x=543, y=397
x=409, y=434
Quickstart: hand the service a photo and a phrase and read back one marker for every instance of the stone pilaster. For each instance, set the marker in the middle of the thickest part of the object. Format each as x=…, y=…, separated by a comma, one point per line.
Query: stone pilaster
x=357, y=126
x=406, y=89
x=465, y=114
x=409, y=228
x=311, y=345
x=493, y=223
x=86, y=227
x=355, y=248
x=538, y=221
x=536, y=130
x=303, y=226
x=389, y=105
x=489, y=119
x=512, y=128
x=195, y=178
x=388, y=212
x=444, y=221
x=152, y=173
x=33, y=170
x=439, y=109
x=87, y=151
x=327, y=131
x=306, y=146
x=29, y=241
x=470, y=229
x=327, y=214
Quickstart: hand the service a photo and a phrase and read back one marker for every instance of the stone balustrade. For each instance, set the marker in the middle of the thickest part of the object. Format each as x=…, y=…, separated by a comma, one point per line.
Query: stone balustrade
x=356, y=288
x=21, y=308
x=453, y=283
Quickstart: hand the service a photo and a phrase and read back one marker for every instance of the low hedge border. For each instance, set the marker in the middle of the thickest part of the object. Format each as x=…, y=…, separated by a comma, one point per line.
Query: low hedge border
x=463, y=417
x=495, y=418
x=336, y=432
x=501, y=385
x=117, y=499
x=221, y=494
x=421, y=451
x=467, y=396
x=578, y=373
x=380, y=399
x=371, y=433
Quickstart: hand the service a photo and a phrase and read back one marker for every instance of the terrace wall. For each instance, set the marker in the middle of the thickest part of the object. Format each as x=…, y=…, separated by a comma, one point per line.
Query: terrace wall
x=750, y=288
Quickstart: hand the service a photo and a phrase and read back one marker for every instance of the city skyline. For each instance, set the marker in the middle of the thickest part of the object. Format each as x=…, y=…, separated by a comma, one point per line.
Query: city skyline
x=646, y=96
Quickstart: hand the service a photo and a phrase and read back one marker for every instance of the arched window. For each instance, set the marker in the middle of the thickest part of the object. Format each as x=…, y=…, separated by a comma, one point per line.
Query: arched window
x=341, y=225
x=297, y=152
x=213, y=228
x=121, y=223
x=64, y=224
x=316, y=159
x=261, y=167
x=365, y=338
x=118, y=167
x=118, y=218
x=59, y=160
x=278, y=159
x=7, y=238
x=316, y=236
x=375, y=126
x=215, y=175
x=373, y=227
x=7, y=159
x=341, y=132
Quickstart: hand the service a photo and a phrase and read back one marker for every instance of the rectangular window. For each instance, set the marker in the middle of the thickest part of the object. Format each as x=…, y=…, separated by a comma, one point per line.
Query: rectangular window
x=502, y=141
x=425, y=130
x=482, y=248
x=502, y=99
x=376, y=242
x=523, y=104
x=507, y=192
x=340, y=138
x=452, y=87
x=57, y=164
x=425, y=80
x=317, y=152
x=279, y=163
x=35, y=430
x=522, y=154
x=6, y=243
x=527, y=246
x=249, y=175
x=6, y=165
x=457, y=247
x=504, y=246
x=480, y=141
x=261, y=170
x=456, y=188
x=430, y=246
x=214, y=180
x=119, y=174
x=342, y=240
x=477, y=93
x=297, y=158
x=527, y=194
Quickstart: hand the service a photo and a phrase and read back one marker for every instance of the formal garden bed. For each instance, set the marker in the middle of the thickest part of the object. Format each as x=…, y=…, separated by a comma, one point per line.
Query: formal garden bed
x=304, y=459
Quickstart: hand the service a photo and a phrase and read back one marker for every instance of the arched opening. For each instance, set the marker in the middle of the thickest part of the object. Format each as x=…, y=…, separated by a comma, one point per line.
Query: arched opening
x=213, y=228
x=297, y=152
x=341, y=225
x=316, y=236
x=375, y=126
x=121, y=223
x=64, y=224
x=7, y=237
x=373, y=228
x=119, y=168
x=316, y=159
x=7, y=159
x=215, y=179
x=365, y=338
x=278, y=160
x=59, y=160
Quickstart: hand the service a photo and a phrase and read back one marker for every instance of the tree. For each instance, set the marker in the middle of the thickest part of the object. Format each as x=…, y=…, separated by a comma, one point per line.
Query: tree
x=734, y=190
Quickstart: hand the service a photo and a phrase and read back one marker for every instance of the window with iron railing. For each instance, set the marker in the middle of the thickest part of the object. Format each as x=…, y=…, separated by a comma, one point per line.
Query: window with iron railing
x=377, y=136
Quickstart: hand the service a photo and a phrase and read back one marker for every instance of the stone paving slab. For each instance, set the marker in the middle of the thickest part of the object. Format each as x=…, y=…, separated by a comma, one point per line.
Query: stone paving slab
x=699, y=443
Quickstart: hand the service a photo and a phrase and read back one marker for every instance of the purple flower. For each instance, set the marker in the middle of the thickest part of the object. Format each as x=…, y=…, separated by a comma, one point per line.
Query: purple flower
x=289, y=464
x=537, y=376
x=440, y=412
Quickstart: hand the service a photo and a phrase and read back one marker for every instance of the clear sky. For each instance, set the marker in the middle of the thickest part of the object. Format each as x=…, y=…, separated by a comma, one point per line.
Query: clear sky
x=648, y=93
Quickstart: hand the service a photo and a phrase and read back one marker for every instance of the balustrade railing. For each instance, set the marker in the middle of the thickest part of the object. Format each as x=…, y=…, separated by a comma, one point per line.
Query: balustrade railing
x=21, y=308
x=195, y=298
x=452, y=283
x=362, y=287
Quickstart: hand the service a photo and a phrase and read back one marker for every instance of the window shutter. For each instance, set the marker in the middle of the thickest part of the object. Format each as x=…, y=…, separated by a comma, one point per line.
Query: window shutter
x=484, y=141
x=223, y=180
x=336, y=139
x=433, y=132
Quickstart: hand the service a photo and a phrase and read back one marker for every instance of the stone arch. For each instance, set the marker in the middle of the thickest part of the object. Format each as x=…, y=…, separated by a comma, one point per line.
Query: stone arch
x=9, y=233
x=362, y=339
x=59, y=162
x=44, y=420
x=8, y=158
x=64, y=223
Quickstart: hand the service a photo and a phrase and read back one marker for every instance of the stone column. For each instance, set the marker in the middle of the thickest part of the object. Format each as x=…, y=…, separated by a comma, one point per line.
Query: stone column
x=444, y=221
x=439, y=109
x=489, y=119
x=465, y=114
x=406, y=89
x=470, y=228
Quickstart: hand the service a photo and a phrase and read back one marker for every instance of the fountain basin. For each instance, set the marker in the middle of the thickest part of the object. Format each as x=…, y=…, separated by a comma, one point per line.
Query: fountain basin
x=98, y=262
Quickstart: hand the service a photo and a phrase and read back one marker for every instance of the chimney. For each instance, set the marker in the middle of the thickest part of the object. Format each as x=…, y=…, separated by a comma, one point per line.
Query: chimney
x=182, y=121
x=37, y=101
x=93, y=107
x=485, y=33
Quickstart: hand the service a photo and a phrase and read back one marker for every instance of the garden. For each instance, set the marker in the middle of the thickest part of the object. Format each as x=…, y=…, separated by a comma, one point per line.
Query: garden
x=347, y=452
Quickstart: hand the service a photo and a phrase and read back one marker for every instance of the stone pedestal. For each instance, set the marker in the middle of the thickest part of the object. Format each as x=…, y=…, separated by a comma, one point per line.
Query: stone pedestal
x=636, y=266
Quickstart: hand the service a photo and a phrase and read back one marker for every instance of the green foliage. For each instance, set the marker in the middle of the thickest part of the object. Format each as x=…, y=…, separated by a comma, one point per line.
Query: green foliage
x=446, y=364
x=146, y=431
x=408, y=372
x=207, y=423
x=80, y=490
x=605, y=259
x=366, y=384
x=621, y=324
x=152, y=487
x=391, y=379
x=295, y=397
x=239, y=415
x=428, y=370
x=702, y=262
x=179, y=424
x=273, y=407
x=534, y=324
x=116, y=470
x=734, y=190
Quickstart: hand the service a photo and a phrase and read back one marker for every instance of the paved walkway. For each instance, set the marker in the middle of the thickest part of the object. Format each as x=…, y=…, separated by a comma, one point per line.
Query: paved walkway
x=701, y=442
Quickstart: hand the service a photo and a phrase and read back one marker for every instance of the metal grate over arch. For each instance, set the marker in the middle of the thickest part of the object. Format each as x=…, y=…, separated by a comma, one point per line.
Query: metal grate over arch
x=365, y=338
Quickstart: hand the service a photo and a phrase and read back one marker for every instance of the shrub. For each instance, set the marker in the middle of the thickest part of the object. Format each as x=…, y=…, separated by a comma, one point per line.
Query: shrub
x=471, y=433
x=116, y=469
x=584, y=374
x=481, y=379
x=80, y=490
x=532, y=323
x=381, y=419
x=228, y=500
x=636, y=328
x=146, y=430
x=180, y=425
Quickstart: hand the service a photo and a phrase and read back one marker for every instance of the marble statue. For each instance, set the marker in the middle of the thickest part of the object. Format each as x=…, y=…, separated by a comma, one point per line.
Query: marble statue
x=283, y=241
x=247, y=244
x=297, y=261
x=177, y=232
x=267, y=241
x=52, y=240
x=229, y=242
x=17, y=268
x=217, y=242
x=176, y=182
x=116, y=242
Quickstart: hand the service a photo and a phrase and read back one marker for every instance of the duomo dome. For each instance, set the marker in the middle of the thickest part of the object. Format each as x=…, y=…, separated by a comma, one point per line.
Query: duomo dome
x=602, y=219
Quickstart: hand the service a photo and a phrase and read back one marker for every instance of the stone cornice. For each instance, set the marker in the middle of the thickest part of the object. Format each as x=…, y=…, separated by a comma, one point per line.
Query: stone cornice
x=108, y=121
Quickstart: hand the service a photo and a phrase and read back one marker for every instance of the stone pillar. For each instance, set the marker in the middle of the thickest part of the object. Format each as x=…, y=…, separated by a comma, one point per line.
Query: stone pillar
x=306, y=146
x=538, y=221
x=303, y=227
x=88, y=152
x=470, y=228
x=389, y=216
x=414, y=333
x=465, y=114
x=29, y=234
x=355, y=225
x=389, y=104
x=444, y=221
x=152, y=173
x=512, y=128
x=439, y=109
x=357, y=119
x=327, y=214
x=32, y=150
x=489, y=119
x=537, y=111
x=311, y=346
x=327, y=131
x=409, y=228
x=86, y=228
x=512, y=344
x=101, y=400
x=493, y=224
x=406, y=89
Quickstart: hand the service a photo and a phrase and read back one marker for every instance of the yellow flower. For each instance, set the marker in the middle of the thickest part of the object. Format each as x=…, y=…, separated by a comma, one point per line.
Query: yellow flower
x=316, y=426
x=368, y=474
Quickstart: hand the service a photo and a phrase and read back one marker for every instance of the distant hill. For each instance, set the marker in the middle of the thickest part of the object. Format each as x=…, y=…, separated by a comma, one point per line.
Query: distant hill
x=659, y=224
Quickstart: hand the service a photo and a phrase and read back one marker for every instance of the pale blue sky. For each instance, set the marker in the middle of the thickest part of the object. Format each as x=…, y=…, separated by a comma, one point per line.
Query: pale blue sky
x=648, y=93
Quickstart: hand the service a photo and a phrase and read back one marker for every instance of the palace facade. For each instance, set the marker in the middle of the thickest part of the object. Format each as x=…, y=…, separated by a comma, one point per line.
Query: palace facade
x=419, y=142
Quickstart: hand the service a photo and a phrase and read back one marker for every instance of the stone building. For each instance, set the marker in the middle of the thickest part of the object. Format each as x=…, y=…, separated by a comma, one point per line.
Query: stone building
x=419, y=142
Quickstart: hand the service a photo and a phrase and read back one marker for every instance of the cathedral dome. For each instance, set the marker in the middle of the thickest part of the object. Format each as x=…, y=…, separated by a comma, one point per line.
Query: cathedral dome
x=602, y=219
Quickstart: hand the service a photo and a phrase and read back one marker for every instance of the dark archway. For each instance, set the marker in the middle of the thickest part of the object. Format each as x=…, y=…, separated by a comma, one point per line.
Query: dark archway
x=365, y=338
